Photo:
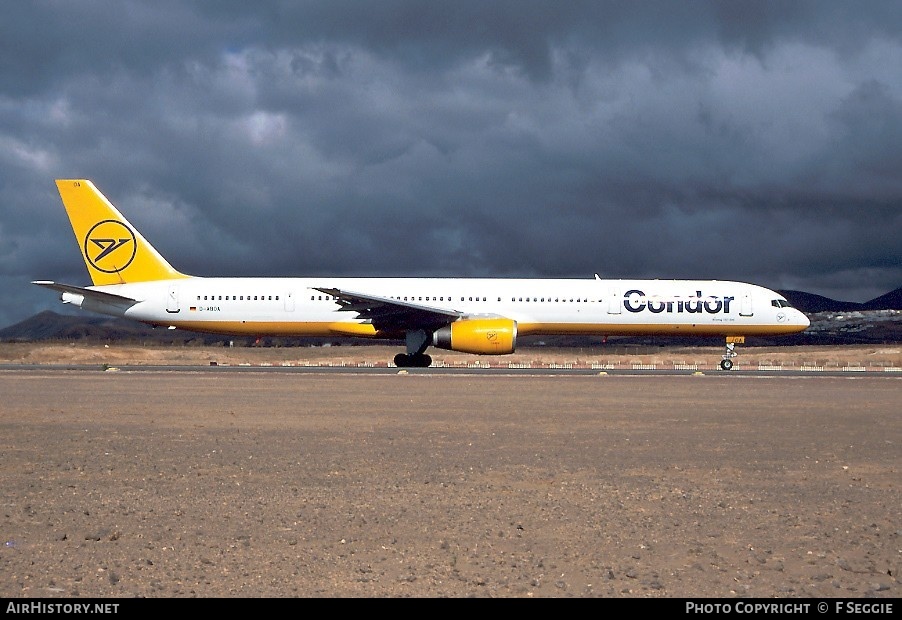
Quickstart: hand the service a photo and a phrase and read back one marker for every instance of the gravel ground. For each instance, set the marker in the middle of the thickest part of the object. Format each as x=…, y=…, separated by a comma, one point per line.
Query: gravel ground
x=217, y=484
x=870, y=357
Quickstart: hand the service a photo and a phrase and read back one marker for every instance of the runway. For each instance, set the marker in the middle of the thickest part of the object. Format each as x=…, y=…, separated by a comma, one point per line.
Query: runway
x=222, y=482
x=481, y=370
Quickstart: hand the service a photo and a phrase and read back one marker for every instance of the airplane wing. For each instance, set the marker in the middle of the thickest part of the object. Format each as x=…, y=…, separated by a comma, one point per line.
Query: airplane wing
x=108, y=298
x=387, y=314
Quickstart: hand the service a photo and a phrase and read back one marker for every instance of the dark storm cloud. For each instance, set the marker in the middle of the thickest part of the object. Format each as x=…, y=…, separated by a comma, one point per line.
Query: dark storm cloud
x=733, y=140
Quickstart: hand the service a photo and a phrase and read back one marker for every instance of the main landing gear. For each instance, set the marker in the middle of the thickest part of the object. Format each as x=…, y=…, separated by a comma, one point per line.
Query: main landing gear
x=417, y=360
x=730, y=352
x=417, y=341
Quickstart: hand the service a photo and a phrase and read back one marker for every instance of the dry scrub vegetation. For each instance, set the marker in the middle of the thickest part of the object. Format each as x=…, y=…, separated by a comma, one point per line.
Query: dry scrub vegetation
x=872, y=357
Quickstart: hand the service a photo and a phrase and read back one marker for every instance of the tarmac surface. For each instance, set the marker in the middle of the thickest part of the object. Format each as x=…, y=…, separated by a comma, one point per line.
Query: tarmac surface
x=263, y=484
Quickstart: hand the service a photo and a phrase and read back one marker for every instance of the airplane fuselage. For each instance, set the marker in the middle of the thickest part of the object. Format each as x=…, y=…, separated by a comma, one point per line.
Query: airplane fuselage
x=298, y=307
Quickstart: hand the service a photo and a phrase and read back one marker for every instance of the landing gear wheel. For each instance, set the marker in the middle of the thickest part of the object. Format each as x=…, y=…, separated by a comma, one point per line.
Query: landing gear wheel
x=730, y=351
x=417, y=360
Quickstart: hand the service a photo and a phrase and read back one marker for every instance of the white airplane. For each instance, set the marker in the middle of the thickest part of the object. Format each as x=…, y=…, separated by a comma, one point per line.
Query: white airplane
x=480, y=316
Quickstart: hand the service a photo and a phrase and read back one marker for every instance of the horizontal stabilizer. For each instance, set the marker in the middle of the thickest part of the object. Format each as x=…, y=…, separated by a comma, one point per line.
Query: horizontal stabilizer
x=107, y=298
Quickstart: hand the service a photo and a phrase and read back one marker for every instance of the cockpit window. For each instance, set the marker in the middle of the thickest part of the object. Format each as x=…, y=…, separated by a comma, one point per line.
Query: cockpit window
x=780, y=303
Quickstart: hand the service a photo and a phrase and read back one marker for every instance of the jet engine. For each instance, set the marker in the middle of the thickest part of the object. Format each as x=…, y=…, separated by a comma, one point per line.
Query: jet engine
x=480, y=336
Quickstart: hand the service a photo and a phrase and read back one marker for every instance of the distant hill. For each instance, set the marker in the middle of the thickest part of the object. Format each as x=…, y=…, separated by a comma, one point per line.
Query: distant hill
x=49, y=325
x=890, y=301
x=810, y=303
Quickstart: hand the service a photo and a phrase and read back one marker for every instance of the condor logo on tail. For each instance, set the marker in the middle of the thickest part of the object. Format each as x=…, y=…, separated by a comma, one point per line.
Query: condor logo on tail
x=110, y=246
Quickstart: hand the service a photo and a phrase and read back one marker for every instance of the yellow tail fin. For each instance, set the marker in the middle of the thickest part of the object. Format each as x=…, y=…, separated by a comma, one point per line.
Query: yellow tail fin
x=114, y=252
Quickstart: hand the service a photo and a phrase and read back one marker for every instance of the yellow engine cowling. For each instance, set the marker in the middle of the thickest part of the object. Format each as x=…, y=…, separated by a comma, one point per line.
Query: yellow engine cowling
x=481, y=336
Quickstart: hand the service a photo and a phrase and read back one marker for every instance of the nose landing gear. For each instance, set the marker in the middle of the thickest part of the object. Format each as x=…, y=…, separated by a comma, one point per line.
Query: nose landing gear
x=730, y=351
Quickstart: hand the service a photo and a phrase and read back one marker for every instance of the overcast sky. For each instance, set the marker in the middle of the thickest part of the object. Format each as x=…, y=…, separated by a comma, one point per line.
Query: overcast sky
x=748, y=140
